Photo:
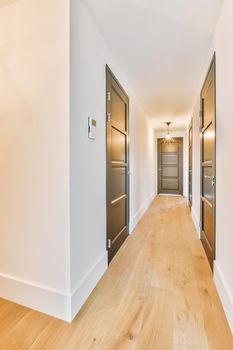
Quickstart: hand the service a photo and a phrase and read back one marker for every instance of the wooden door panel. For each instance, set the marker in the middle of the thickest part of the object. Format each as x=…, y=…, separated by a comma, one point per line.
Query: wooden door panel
x=170, y=159
x=208, y=164
x=170, y=171
x=208, y=224
x=208, y=143
x=118, y=146
x=170, y=166
x=208, y=189
x=119, y=220
x=170, y=147
x=117, y=165
x=118, y=110
x=119, y=182
x=170, y=184
x=209, y=105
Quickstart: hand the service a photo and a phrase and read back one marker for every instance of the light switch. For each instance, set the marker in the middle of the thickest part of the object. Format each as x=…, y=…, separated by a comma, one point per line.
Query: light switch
x=91, y=128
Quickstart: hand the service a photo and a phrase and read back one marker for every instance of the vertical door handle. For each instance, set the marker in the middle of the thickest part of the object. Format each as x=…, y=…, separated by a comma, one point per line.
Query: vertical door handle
x=127, y=173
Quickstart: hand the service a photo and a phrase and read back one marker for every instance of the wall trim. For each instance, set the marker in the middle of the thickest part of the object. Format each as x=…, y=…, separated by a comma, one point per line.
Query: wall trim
x=196, y=221
x=50, y=301
x=84, y=288
x=224, y=293
x=38, y=297
x=141, y=211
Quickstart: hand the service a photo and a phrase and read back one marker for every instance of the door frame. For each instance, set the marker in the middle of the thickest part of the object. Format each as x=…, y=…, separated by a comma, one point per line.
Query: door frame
x=182, y=174
x=212, y=64
x=109, y=75
x=190, y=172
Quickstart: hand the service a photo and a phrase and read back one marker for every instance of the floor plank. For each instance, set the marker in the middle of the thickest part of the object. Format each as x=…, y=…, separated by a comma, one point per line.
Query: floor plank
x=158, y=293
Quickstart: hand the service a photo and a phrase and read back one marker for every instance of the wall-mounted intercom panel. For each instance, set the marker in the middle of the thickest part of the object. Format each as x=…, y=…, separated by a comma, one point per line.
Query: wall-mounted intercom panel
x=92, y=128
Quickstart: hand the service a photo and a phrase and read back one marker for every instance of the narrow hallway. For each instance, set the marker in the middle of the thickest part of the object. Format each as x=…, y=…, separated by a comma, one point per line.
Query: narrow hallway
x=158, y=293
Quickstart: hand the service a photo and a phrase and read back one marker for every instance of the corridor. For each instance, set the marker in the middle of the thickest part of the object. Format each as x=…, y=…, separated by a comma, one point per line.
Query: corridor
x=158, y=293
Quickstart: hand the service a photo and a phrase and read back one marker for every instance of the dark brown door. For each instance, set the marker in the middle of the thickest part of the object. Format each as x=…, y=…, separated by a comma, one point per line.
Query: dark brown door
x=117, y=165
x=208, y=112
x=170, y=166
x=190, y=175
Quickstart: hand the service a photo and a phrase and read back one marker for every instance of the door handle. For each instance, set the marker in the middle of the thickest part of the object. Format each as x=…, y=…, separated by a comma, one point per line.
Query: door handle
x=127, y=173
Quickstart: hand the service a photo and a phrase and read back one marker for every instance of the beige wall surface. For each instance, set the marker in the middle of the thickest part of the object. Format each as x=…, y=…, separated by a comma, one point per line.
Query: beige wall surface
x=89, y=55
x=223, y=42
x=34, y=149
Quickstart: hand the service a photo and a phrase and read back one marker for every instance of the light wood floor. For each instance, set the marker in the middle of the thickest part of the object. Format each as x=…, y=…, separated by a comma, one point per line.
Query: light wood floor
x=158, y=293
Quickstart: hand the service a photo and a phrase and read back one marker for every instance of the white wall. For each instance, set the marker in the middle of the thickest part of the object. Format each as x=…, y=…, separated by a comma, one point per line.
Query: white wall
x=158, y=135
x=196, y=167
x=223, y=269
x=224, y=237
x=34, y=149
x=142, y=164
x=89, y=55
x=52, y=204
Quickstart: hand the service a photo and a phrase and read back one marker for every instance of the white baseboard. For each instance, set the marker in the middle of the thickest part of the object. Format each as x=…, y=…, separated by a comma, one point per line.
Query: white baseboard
x=136, y=218
x=49, y=301
x=87, y=284
x=53, y=302
x=224, y=293
x=196, y=221
x=170, y=195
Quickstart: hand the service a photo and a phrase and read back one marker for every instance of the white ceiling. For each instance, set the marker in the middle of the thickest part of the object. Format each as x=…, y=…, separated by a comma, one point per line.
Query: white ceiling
x=162, y=45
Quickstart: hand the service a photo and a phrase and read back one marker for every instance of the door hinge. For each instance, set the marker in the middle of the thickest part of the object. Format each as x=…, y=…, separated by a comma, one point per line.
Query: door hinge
x=109, y=243
x=200, y=114
x=200, y=224
x=108, y=117
x=213, y=181
x=109, y=96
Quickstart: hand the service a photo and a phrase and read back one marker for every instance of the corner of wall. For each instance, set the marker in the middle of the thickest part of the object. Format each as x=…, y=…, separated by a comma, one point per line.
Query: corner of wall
x=84, y=288
x=196, y=221
x=224, y=293
x=55, y=303
x=141, y=211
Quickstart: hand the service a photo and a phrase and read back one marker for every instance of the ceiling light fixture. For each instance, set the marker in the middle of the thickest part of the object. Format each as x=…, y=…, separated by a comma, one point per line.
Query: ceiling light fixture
x=168, y=136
